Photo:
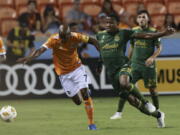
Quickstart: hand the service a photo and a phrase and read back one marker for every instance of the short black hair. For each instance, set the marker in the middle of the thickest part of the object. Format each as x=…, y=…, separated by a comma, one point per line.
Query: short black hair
x=114, y=17
x=144, y=12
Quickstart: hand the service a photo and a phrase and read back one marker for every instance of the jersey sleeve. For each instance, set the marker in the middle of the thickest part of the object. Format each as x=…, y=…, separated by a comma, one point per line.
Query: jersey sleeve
x=81, y=37
x=132, y=42
x=49, y=43
x=128, y=34
x=2, y=49
x=157, y=42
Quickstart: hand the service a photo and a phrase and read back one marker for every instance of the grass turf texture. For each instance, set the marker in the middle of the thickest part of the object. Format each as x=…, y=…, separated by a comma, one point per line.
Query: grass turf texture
x=62, y=117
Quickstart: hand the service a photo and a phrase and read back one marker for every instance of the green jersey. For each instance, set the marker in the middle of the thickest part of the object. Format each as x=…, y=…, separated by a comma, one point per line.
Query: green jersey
x=112, y=48
x=143, y=48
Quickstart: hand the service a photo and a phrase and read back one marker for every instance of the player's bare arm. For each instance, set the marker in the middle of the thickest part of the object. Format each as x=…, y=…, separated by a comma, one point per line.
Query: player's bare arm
x=34, y=54
x=94, y=42
x=130, y=51
x=166, y=32
x=151, y=59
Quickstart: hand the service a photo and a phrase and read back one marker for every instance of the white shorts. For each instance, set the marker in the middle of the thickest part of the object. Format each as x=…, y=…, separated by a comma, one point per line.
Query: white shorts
x=74, y=81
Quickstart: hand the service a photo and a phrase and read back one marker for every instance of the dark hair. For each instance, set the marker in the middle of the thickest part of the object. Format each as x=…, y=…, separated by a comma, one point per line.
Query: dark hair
x=114, y=17
x=144, y=12
x=49, y=8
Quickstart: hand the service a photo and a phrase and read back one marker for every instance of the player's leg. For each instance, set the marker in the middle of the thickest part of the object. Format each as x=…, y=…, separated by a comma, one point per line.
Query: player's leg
x=88, y=107
x=77, y=99
x=82, y=80
x=136, y=75
x=150, y=82
x=137, y=100
x=154, y=96
x=75, y=85
x=118, y=113
x=129, y=88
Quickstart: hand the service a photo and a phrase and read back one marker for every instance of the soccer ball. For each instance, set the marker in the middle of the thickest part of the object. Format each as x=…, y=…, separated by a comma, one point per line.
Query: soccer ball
x=8, y=113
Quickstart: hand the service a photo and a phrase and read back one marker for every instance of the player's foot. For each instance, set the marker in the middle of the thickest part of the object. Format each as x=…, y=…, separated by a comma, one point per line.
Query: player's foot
x=92, y=127
x=150, y=107
x=117, y=115
x=160, y=120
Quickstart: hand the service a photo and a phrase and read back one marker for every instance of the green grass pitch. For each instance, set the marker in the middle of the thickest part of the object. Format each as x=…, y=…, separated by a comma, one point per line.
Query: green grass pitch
x=62, y=117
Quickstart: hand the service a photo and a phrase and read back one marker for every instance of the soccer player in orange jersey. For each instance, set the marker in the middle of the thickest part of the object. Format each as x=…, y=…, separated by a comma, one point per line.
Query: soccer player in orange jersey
x=2, y=51
x=68, y=66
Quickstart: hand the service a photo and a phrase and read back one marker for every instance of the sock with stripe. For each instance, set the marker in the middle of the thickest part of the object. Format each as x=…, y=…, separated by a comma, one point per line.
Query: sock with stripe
x=89, y=110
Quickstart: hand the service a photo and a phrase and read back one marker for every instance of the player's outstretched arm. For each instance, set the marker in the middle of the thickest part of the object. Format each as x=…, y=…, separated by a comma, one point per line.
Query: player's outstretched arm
x=166, y=32
x=34, y=54
x=94, y=42
x=130, y=51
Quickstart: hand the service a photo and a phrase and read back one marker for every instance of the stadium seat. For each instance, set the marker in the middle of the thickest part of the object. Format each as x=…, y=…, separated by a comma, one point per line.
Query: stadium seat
x=7, y=13
x=155, y=6
x=131, y=6
x=90, y=1
x=177, y=18
x=63, y=9
x=21, y=10
x=60, y=2
x=91, y=9
x=158, y=20
x=173, y=6
x=7, y=3
x=19, y=3
x=124, y=1
x=6, y=25
x=118, y=7
x=43, y=3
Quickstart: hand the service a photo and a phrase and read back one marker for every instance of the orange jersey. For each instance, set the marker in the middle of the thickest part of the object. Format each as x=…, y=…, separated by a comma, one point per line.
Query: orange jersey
x=65, y=56
x=2, y=49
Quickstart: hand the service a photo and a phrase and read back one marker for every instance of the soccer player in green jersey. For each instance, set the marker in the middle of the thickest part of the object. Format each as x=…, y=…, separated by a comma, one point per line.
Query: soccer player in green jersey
x=112, y=43
x=142, y=54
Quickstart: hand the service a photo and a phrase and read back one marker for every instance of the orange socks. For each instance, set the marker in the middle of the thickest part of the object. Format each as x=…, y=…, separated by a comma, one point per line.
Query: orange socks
x=89, y=110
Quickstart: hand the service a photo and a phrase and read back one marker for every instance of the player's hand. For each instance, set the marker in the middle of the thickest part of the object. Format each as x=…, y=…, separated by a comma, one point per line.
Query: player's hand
x=170, y=30
x=99, y=67
x=149, y=61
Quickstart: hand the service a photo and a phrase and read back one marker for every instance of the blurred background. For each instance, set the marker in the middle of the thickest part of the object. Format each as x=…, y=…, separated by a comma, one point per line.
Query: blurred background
x=27, y=24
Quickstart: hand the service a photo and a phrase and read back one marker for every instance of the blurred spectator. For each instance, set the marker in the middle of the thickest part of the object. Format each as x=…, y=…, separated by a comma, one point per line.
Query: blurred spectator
x=169, y=21
x=76, y=15
x=18, y=41
x=32, y=17
x=107, y=8
x=50, y=22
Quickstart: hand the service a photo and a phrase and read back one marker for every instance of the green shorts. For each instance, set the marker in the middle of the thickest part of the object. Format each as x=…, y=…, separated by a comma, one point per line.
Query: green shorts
x=125, y=70
x=148, y=75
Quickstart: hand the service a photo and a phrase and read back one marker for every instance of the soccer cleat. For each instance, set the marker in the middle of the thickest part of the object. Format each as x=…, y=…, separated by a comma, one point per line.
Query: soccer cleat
x=161, y=123
x=150, y=107
x=92, y=127
x=117, y=115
